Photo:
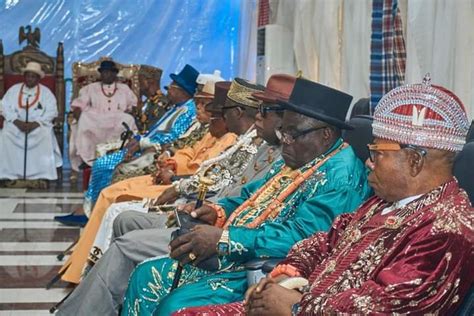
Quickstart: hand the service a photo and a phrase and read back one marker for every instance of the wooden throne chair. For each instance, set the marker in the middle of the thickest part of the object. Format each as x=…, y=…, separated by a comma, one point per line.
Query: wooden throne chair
x=86, y=73
x=11, y=73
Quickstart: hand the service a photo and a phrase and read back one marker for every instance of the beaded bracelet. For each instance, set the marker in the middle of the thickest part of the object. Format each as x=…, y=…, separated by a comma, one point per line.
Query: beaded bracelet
x=221, y=215
x=285, y=269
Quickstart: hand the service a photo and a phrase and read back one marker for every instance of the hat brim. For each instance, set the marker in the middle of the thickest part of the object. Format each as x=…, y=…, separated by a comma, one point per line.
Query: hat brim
x=204, y=95
x=181, y=83
x=39, y=73
x=265, y=97
x=111, y=69
x=316, y=115
x=213, y=108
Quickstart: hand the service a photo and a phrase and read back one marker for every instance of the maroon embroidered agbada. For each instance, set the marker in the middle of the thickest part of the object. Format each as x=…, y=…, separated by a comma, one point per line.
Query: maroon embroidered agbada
x=416, y=259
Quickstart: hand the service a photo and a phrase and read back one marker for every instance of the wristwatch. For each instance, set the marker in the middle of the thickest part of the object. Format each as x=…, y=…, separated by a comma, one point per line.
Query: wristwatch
x=223, y=245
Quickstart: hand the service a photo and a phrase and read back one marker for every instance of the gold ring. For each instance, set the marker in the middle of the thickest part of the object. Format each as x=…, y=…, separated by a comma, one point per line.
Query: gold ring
x=192, y=256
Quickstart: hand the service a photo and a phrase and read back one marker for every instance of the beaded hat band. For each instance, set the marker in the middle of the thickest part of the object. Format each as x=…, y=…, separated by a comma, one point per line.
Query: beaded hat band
x=424, y=115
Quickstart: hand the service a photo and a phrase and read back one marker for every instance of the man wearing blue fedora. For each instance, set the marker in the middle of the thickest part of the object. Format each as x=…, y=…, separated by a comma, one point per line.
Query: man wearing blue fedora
x=168, y=128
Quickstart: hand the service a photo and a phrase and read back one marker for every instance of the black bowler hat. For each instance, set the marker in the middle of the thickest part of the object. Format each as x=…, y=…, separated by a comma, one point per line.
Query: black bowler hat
x=320, y=102
x=107, y=65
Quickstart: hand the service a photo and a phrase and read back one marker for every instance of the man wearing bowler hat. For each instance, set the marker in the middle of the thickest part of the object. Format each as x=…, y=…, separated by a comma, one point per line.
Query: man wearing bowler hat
x=100, y=109
x=29, y=109
x=319, y=178
x=408, y=250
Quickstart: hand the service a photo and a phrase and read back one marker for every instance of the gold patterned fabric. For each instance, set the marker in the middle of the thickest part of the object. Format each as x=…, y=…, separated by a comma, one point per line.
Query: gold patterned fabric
x=241, y=92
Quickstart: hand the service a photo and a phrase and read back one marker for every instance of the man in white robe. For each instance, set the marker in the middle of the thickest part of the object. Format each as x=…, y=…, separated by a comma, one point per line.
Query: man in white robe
x=100, y=110
x=36, y=101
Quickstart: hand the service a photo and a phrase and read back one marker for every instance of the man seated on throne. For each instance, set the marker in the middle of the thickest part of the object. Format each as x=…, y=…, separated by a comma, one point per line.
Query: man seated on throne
x=28, y=110
x=100, y=110
x=174, y=123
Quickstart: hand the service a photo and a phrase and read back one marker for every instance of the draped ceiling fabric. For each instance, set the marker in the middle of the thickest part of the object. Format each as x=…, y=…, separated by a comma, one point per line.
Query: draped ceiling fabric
x=167, y=34
x=332, y=42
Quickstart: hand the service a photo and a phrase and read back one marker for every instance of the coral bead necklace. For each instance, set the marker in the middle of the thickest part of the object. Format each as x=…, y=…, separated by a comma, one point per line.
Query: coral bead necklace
x=264, y=199
x=29, y=105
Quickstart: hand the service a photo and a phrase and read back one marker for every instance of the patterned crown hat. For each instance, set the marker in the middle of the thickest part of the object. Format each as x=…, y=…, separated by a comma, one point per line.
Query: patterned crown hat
x=241, y=92
x=422, y=114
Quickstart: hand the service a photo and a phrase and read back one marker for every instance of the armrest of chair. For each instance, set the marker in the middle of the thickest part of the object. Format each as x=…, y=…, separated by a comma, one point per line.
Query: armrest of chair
x=58, y=123
x=256, y=264
x=257, y=268
x=266, y=264
x=271, y=264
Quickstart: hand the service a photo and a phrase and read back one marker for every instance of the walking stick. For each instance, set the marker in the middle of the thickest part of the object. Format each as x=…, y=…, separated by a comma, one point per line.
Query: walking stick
x=125, y=135
x=25, y=155
x=204, y=184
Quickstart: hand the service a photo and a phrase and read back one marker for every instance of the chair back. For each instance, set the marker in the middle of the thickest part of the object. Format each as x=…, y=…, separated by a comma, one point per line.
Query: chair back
x=470, y=133
x=464, y=169
x=361, y=107
x=360, y=136
x=86, y=73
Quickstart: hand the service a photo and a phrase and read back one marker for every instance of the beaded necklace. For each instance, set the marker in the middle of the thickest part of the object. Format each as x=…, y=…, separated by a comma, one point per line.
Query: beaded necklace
x=20, y=98
x=108, y=95
x=290, y=179
x=244, y=140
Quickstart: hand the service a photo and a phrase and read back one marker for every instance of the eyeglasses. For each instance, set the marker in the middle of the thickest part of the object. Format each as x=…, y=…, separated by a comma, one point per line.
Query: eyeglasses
x=173, y=85
x=289, y=138
x=264, y=109
x=230, y=107
x=215, y=118
x=225, y=108
x=375, y=149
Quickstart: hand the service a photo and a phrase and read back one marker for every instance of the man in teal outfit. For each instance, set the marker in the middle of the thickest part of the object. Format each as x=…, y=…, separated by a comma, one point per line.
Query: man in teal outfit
x=319, y=178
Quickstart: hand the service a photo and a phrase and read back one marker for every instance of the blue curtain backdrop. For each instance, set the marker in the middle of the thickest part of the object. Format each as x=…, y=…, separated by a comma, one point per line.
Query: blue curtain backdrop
x=163, y=33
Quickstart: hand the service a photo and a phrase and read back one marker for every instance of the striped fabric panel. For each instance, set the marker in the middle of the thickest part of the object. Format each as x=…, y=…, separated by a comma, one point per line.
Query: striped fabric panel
x=263, y=12
x=387, y=49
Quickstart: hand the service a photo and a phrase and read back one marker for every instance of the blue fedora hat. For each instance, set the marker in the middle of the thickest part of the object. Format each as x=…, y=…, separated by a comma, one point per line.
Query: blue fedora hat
x=186, y=79
x=320, y=102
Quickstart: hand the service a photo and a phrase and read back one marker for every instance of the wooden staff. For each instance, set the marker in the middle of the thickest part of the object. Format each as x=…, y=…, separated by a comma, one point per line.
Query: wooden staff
x=204, y=184
x=25, y=155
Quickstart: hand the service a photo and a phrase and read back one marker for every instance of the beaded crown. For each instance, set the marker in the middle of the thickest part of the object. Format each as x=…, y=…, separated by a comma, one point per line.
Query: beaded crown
x=422, y=114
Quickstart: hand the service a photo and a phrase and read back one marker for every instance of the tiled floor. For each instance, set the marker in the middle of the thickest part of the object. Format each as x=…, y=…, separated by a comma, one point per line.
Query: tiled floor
x=29, y=242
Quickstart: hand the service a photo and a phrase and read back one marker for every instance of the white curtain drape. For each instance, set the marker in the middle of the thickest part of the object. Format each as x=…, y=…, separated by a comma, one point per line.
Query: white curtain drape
x=332, y=42
x=248, y=40
x=440, y=41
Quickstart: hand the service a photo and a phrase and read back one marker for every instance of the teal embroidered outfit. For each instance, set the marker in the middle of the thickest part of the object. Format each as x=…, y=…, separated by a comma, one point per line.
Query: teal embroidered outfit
x=336, y=186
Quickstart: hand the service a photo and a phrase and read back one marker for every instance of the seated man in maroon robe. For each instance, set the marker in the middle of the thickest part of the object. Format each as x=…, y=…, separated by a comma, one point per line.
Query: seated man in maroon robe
x=409, y=249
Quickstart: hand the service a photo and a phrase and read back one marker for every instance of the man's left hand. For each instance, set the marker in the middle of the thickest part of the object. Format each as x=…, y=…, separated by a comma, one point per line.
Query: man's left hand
x=32, y=126
x=201, y=241
x=132, y=147
x=272, y=300
x=163, y=176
